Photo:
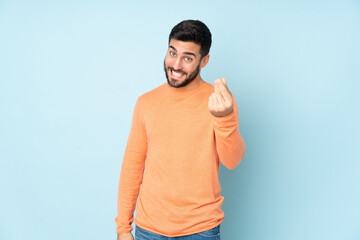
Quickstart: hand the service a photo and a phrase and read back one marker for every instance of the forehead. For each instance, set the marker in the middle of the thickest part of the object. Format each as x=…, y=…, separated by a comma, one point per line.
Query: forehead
x=182, y=47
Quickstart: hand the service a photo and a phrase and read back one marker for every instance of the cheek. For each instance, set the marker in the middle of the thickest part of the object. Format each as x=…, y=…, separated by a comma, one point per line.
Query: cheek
x=190, y=68
x=168, y=62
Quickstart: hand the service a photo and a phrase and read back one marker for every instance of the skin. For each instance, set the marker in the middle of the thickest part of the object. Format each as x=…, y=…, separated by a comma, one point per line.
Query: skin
x=125, y=236
x=185, y=59
x=182, y=61
x=221, y=102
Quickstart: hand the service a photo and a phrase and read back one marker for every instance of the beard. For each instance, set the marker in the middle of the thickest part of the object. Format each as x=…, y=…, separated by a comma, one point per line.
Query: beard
x=173, y=82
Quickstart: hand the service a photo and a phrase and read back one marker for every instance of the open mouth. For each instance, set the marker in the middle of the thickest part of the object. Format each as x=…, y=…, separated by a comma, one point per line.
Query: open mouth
x=176, y=74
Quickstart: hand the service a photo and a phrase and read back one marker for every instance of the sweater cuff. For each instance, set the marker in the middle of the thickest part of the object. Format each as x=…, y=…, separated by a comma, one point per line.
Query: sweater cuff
x=226, y=121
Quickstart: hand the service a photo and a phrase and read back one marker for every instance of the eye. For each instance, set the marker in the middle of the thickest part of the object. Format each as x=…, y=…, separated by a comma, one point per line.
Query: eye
x=172, y=53
x=188, y=59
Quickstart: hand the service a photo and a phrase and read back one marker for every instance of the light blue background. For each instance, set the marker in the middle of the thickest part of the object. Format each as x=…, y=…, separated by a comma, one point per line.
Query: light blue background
x=70, y=73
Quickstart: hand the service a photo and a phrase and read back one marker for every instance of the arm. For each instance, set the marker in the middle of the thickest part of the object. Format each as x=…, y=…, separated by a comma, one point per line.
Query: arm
x=230, y=145
x=131, y=172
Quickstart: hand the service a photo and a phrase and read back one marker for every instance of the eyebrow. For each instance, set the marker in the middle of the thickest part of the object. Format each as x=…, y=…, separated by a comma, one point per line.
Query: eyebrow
x=186, y=53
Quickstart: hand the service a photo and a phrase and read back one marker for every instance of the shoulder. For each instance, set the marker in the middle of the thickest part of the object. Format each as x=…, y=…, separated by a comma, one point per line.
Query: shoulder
x=207, y=89
x=152, y=94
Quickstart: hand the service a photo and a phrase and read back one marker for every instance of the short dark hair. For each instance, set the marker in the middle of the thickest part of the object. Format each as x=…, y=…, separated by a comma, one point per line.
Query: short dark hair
x=193, y=31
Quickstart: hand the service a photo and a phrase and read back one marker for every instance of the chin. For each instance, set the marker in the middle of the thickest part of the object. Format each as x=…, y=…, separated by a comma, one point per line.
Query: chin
x=175, y=83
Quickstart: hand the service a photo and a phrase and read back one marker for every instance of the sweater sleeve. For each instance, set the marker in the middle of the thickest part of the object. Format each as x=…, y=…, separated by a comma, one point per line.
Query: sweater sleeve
x=131, y=171
x=230, y=145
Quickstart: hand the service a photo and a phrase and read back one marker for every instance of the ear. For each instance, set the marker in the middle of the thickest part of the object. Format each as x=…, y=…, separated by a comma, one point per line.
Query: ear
x=204, y=61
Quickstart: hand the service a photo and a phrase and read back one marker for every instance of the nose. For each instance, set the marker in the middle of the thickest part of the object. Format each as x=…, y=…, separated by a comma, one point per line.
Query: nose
x=177, y=64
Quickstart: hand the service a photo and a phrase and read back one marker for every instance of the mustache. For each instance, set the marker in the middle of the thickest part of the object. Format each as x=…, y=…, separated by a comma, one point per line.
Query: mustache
x=179, y=71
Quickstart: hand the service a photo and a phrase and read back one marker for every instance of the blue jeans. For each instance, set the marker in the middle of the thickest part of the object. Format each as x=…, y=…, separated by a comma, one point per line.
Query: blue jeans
x=212, y=234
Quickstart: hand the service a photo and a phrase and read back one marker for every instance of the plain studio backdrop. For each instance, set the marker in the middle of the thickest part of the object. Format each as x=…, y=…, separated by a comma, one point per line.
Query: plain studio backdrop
x=70, y=74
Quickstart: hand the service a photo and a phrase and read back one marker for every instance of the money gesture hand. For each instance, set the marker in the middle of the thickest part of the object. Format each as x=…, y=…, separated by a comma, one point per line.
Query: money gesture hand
x=220, y=101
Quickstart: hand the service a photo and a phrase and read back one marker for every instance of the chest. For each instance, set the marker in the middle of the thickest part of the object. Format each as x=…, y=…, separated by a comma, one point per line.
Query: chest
x=181, y=122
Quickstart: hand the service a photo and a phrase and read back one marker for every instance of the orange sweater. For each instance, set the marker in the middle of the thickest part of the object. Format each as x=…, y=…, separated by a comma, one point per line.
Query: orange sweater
x=178, y=143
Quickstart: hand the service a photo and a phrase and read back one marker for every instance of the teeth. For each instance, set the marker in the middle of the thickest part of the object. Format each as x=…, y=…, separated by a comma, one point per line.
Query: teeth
x=176, y=74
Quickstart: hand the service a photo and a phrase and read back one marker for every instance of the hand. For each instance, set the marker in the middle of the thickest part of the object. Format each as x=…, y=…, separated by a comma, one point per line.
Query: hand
x=125, y=236
x=220, y=101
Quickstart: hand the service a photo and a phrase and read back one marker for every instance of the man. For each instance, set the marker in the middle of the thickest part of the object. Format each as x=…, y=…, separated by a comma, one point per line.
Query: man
x=180, y=132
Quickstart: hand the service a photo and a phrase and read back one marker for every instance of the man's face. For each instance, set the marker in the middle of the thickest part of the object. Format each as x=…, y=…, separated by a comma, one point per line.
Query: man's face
x=182, y=63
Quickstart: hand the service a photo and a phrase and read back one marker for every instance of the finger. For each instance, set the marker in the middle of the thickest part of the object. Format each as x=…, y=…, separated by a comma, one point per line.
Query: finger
x=218, y=90
x=210, y=104
x=223, y=80
x=220, y=101
x=216, y=87
x=215, y=102
x=224, y=91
